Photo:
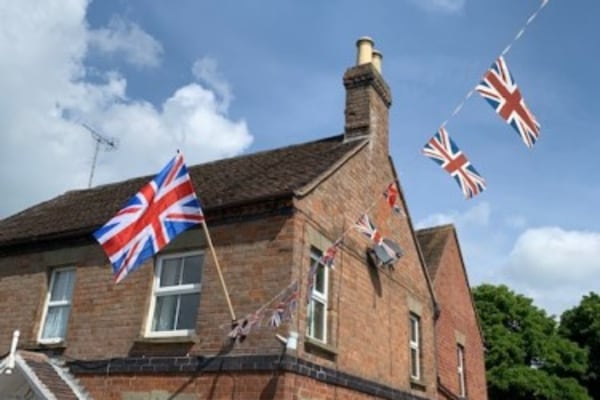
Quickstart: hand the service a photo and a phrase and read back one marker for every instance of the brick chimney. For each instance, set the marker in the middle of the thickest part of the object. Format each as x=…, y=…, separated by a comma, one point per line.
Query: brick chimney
x=368, y=97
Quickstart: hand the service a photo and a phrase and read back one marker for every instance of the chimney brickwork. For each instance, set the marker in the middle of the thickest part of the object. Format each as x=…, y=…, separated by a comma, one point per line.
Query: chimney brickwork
x=368, y=99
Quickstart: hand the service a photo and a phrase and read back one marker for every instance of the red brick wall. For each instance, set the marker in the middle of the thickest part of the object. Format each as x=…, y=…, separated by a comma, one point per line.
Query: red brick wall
x=458, y=315
x=308, y=389
x=223, y=386
x=107, y=320
x=369, y=314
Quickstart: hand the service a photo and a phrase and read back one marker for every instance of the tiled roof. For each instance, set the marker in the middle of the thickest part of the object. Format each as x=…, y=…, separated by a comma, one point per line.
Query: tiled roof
x=50, y=378
x=222, y=183
x=432, y=242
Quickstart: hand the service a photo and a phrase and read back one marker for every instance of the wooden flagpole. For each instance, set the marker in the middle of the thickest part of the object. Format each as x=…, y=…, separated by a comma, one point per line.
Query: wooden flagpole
x=212, y=250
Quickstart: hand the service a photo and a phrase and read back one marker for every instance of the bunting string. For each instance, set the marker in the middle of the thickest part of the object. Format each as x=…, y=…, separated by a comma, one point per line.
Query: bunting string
x=522, y=31
x=390, y=194
x=288, y=295
x=504, y=52
x=499, y=89
x=444, y=152
x=244, y=325
x=384, y=249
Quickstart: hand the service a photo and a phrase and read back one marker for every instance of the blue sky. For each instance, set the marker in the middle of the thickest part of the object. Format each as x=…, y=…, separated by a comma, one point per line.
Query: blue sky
x=222, y=78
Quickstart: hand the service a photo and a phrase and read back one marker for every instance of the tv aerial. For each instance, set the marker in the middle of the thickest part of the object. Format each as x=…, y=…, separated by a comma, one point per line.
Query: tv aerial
x=107, y=144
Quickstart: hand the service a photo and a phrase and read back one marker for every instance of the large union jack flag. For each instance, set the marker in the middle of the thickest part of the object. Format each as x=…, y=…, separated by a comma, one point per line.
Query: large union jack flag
x=165, y=207
x=446, y=153
x=500, y=90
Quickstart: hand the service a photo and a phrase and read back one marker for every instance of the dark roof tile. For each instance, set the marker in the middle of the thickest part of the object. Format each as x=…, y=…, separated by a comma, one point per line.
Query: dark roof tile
x=432, y=242
x=221, y=183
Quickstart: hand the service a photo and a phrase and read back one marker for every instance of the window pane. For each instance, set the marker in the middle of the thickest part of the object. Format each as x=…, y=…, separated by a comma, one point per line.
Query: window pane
x=320, y=279
x=62, y=287
x=56, y=322
x=413, y=329
x=414, y=363
x=461, y=370
x=164, y=313
x=192, y=269
x=170, y=272
x=188, y=309
x=318, y=322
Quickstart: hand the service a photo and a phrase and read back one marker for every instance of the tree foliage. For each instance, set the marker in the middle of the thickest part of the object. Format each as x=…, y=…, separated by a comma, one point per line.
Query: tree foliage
x=581, y=324
x=526, y=357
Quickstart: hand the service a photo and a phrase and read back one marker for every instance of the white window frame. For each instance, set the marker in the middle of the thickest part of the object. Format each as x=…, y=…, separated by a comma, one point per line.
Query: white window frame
x=317, y=296
x=462, y=383
x=56, y=303
x=157, y=291
x=415, y=345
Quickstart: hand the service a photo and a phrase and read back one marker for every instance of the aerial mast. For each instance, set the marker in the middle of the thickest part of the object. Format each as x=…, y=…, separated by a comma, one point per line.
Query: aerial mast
x=107, y=143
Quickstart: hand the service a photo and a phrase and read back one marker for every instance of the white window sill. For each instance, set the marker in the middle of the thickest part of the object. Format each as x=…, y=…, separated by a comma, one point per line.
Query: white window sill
x=52, y=344
x=187, y=338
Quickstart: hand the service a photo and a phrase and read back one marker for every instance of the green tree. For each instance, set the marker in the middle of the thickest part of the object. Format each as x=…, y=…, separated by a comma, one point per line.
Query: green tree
x=581, y=324
x=526, y=358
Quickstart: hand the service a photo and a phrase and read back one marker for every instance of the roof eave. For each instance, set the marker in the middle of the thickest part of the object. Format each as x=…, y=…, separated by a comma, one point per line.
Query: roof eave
x=310, y=186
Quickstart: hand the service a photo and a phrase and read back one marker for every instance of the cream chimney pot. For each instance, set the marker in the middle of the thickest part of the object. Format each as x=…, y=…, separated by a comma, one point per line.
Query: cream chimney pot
x=365, y=50
x=377, y=58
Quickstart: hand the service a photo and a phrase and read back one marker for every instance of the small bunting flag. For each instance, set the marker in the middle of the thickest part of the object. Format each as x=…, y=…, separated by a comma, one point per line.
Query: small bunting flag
x=244, y=326
x=311, y=280
x=328, y=257
x=446, y=153
x=501, y=92
x=286, y=307
x=391, y=195
x=367, y=228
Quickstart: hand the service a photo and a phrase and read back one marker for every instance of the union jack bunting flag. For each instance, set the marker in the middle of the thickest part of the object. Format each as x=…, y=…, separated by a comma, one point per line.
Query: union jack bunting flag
x=165, y=207
x=243, y=327
x=391, y=195
x=500, y=90
x=366, y=227
x=285, y=308
x=328, y=258
x=312, y=273
x=446, y=153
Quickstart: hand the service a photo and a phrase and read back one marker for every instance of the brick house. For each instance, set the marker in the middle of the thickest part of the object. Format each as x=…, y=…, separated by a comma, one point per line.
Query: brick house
x=459, y=338
x=366, y=331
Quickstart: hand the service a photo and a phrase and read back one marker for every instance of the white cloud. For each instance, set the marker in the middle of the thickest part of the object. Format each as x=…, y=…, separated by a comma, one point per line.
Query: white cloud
x=206, y=70
x=478, y=215
x=555, y=266
x=127, y=39
x=48, y=91
x=445, y=6
x=552, y=257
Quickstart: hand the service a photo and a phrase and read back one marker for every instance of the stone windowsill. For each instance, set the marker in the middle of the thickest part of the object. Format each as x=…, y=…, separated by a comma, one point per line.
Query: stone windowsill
x=54, y=344
x=167, y=339
x=319, y=348
x=417, y=384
